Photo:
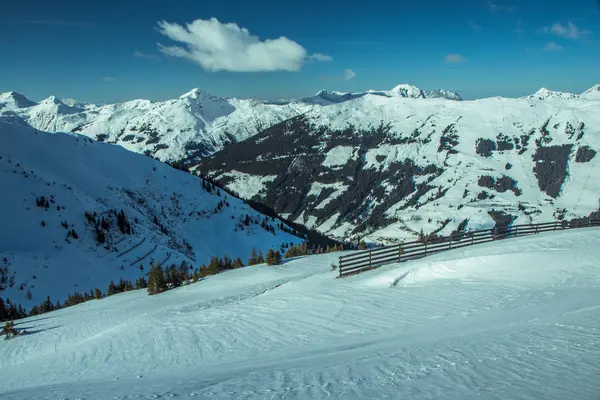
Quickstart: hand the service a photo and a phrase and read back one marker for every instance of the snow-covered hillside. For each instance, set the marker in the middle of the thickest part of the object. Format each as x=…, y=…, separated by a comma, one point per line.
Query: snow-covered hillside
x=49, y=182
x=513, y=319
x=386, y=168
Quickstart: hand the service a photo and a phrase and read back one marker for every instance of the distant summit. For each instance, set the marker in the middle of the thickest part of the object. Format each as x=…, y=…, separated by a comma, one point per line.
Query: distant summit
x=14, y=100
x=326, y=97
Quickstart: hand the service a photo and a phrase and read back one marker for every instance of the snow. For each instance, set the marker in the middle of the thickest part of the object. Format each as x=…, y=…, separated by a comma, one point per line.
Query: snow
x=339, y=156
x=87, y=176
x=518, y=318
x=246, y=185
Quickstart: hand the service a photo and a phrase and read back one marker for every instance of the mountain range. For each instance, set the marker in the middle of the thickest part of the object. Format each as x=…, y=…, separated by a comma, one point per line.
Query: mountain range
x=380, y=164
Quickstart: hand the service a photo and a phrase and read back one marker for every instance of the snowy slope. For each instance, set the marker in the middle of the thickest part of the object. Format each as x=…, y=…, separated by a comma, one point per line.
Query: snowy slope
x=77, y=175
x=512, y=319
x=383, y=168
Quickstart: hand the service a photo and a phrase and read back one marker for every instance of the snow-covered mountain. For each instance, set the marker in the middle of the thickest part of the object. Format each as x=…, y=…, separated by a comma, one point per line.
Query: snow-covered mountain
x=385, y=167
x=376, y=158
x=191, y=126
x=50, y=181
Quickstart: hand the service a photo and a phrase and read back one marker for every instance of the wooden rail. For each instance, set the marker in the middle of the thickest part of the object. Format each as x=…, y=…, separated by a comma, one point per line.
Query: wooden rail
x=370, y=259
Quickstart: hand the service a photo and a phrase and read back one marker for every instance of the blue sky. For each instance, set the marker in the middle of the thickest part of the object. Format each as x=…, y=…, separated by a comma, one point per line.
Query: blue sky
x=118, y=50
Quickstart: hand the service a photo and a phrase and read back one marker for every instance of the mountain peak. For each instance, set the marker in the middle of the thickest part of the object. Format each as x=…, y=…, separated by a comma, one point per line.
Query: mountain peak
x=406, y=90
x=16, y=99
x=545, y=93
x=593, y=89
x=192, y=93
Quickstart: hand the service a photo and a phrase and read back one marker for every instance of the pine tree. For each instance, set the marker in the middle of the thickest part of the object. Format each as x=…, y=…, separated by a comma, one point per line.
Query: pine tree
x=112, y=289
x=3, y=311
x=260, y=259
x=273, y=257
x=98, y=294
x=214, y=266
x=362, y=245
x=253, y=260
x=156, y=280
x=141, y=283
x=238, y=263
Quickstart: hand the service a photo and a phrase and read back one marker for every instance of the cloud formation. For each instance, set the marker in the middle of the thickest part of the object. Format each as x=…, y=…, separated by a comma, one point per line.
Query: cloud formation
x=552, y=46
x=320, y=57
x=568, y=31
x=217, y=46
x=108, y=79
x=148, y=56
x=454, y=58
x=349, y=74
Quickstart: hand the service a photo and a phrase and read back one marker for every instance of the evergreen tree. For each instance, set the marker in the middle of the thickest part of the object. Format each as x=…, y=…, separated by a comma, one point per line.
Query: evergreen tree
x=253, y=260
x=362, y=245
x=156, y=280
x=260, y=259
x=3, y=311
x=273, y=257
x=141, y=283
x=98, y=294
x=238, y=263
x=112, y=289
x=214, y=266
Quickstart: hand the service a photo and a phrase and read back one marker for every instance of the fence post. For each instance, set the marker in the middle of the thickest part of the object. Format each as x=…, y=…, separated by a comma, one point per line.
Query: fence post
x=399, y=253
x=450, y=242
x=536, y=228
x=425, y=247
x=340, y=266
x=472, y=238
x=370, y=252
x=516, y=231
x=554, y=226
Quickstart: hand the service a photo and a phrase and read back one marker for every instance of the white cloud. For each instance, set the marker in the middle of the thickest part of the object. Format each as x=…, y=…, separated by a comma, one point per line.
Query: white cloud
x=454, y=58
x=349, y=74
x=552, y=46
x=108, y=79
x=141, y=54
x=569, y=31
x=320, y=57
x=217, y=46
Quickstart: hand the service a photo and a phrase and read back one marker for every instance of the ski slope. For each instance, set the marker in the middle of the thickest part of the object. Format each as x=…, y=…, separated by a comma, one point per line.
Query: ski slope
x=510, y=319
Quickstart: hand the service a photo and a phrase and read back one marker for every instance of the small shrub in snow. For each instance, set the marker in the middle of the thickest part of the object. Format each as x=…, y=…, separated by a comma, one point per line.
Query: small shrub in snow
x=9, y=330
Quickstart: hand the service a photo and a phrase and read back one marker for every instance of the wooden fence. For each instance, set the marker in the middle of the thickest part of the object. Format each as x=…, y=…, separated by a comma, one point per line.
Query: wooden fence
x=370, y=259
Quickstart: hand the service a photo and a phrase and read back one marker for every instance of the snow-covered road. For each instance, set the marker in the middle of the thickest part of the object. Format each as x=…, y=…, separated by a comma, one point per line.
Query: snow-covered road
x=506, y=320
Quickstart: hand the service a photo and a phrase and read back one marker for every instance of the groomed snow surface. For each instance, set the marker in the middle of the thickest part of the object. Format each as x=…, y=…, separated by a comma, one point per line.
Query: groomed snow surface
x=514, y=319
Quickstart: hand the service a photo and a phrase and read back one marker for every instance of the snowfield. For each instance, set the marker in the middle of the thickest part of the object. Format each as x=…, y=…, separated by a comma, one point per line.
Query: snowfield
x=518, y=318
